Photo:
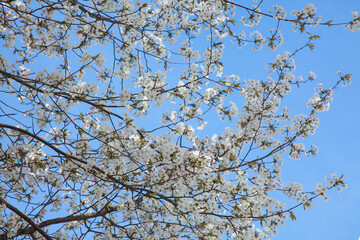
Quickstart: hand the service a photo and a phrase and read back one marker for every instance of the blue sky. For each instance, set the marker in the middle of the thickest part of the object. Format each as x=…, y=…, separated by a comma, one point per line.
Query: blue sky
x=338, y=134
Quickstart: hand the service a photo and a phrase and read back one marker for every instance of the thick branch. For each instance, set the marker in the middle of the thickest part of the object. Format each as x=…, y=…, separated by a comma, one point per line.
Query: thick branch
x=66, y=219
x=61, y=94
x=35, y=227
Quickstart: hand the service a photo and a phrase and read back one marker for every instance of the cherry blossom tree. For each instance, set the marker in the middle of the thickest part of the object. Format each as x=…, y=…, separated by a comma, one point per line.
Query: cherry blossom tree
x=104, y=106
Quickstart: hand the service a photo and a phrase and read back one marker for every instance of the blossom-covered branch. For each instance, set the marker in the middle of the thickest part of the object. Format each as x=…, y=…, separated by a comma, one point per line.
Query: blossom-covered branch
x=104, y=119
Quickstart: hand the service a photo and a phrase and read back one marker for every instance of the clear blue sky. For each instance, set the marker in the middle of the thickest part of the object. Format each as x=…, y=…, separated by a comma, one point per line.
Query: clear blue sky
x=338, y=134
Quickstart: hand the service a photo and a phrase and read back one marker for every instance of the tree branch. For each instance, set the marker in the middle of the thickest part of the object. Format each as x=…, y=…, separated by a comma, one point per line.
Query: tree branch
x=26, y=218
x=71, y=218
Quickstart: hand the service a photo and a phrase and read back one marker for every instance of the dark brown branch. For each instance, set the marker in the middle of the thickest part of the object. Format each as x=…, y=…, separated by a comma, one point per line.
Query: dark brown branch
x=61, y=94
x=71, y=218
x=35, y=227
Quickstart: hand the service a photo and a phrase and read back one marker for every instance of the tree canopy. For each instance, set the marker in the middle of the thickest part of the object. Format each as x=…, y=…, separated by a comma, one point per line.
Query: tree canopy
x=104, y=113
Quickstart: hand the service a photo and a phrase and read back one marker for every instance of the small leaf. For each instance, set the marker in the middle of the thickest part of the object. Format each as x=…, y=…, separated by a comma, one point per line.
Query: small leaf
x=311, y=46
x=232, y=21
x=292, y=216
x=328, y=23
